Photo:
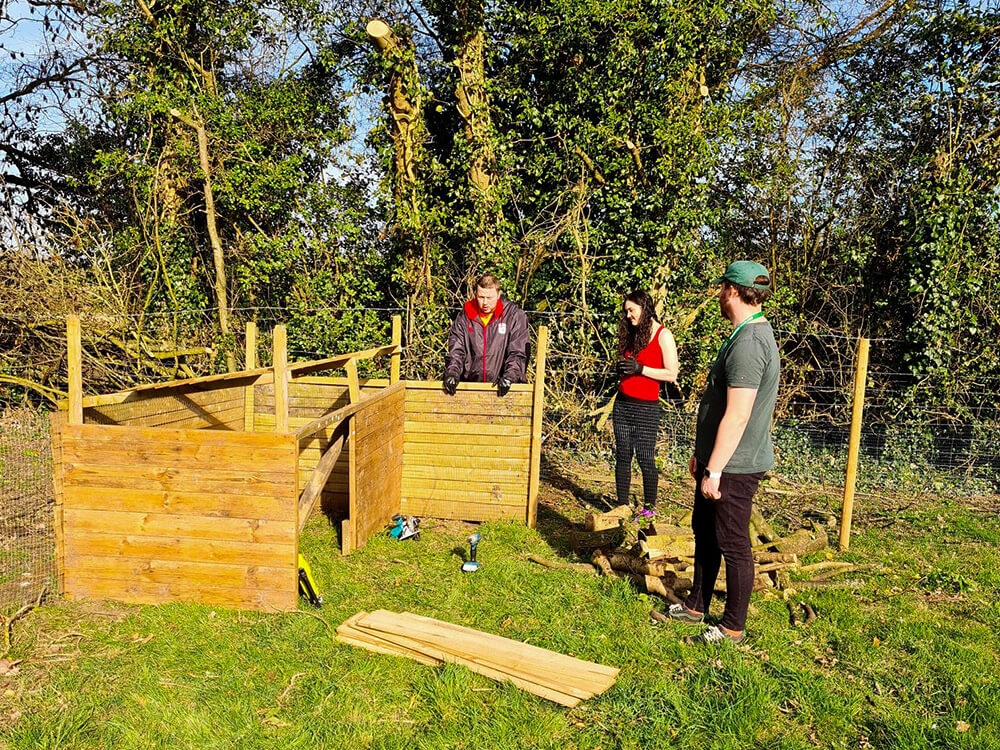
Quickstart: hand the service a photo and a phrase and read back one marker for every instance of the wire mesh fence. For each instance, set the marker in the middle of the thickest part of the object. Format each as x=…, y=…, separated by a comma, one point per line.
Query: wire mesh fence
x=912, y=440
x=27, y=536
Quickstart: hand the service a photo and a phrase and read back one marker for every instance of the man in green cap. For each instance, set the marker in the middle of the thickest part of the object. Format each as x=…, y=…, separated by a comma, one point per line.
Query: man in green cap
x=732, y=451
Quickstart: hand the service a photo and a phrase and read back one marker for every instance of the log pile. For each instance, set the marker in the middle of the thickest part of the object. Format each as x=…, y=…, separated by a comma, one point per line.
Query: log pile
x=661, y=561
x=548, y=674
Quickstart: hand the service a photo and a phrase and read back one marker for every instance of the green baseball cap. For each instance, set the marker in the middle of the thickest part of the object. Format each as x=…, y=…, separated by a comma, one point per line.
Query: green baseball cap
x=745, y=273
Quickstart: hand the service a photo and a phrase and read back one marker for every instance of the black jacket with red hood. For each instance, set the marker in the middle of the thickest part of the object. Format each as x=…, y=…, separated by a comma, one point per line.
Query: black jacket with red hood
x=488, y=354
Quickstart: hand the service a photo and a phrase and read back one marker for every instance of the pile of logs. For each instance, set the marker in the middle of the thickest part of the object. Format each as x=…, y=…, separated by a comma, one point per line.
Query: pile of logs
x=661, y=560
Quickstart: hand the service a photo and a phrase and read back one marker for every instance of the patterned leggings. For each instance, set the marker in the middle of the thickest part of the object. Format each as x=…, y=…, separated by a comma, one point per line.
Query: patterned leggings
x=636, y=426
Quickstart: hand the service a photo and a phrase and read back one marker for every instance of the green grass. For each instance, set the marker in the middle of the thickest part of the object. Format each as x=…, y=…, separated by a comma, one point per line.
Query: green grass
x=908, y=660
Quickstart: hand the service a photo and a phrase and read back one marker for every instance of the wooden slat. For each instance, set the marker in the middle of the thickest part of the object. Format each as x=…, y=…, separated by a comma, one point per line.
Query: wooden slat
x=435, y=385
x=132, y=523
x=177, y=479
x=74, y=364
x=116, y=434
x=178, y=550
x=480, y=487
x=280, y=359
x=170, y=571
x=489, y=423
x=399, y=645
x=448, y=470
x=168, y=455
x=457, y=509
x=138, y=592
x=200, y=501
x=516, y=433
x=442, y=463
x=567, y=674
x=463, y=446
x=430, y=410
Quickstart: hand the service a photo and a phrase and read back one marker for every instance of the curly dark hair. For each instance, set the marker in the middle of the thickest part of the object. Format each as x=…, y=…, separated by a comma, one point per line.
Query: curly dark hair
x=633, y=339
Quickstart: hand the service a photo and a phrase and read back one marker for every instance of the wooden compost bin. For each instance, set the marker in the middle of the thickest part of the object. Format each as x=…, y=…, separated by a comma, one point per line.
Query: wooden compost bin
x=198, y=489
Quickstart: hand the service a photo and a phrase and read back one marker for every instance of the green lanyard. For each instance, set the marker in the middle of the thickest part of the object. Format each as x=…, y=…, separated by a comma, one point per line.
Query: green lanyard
x=732, y=336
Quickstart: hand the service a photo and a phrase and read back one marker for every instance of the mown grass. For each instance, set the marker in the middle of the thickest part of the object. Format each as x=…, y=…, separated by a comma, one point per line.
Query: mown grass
x=908, y=659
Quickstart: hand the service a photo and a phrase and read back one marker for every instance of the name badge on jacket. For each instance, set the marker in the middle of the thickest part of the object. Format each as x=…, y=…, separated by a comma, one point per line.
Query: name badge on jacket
x=502, y=329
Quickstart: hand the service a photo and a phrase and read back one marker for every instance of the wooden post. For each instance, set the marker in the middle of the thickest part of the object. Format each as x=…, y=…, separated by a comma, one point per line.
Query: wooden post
x=280, y=379
x=249, y=363
x=853, y=447
x=353, y=387
x=537, y=402
x=74, y=350
x=397, y=341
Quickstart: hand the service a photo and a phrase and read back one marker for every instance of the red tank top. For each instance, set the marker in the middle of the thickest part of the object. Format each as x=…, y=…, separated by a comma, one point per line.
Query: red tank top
x=639, y=386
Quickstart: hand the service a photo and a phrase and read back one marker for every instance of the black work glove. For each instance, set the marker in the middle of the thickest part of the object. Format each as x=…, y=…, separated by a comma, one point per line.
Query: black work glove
x=450, y=385
x=503, y=385
x=628, y=367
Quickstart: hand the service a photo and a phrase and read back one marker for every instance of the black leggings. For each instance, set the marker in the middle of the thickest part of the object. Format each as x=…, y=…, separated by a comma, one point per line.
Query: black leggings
x=636, y=426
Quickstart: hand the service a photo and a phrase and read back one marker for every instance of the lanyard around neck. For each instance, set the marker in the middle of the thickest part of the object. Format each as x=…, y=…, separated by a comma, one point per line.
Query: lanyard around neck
x=732, y=336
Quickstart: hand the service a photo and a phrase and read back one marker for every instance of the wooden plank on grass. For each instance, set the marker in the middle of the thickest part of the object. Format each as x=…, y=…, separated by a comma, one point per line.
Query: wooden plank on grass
x=558, y=671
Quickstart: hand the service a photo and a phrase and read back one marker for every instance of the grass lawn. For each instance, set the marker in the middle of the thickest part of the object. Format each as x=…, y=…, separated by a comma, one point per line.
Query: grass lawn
x=906, y=658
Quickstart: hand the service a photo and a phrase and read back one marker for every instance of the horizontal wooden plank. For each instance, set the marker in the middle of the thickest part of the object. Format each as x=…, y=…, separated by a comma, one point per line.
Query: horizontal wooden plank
x=491, y=445
x=180, y=550
x=180, y=456
x=448, y=465
x=512, y=474
x=426, y=411
x=173, y=480
x=170, y=571
x=182, y=526
x=113, y=433
x=195, y=503
x=431, y=386
x=474, y=486
x=140, y=592
x=427, y=507
x=522, y=430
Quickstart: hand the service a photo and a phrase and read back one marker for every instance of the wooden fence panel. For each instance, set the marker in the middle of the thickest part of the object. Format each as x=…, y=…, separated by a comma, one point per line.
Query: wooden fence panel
x=161, y=515
x=377, y=433
x=193, y=407
x=466, y=456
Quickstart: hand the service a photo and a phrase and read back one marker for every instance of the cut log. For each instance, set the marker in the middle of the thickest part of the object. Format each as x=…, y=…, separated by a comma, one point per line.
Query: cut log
x=803, y=542
x=600, y=560
x=590, y=540
x=610, y=520
x=632, y=564
x=764, y=530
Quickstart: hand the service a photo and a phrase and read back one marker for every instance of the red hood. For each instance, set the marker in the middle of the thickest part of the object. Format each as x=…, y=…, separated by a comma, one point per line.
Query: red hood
x=472, y=309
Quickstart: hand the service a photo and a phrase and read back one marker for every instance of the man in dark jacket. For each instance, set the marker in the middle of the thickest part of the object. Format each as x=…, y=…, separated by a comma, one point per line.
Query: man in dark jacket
x=488, y=342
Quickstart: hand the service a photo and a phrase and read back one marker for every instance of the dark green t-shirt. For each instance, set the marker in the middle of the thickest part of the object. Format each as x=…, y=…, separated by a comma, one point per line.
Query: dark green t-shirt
x=751, y=360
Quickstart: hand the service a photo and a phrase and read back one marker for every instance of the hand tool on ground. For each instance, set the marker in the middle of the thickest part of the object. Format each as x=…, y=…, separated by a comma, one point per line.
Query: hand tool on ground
x=405, y=527
x=307, y=586
x=471, y=565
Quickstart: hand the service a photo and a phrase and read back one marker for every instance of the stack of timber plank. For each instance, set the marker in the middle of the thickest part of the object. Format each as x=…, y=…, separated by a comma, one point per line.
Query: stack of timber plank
x=563, y=679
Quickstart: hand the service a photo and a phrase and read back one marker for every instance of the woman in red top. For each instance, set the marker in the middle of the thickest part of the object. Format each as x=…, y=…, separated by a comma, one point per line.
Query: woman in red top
x=647, y=356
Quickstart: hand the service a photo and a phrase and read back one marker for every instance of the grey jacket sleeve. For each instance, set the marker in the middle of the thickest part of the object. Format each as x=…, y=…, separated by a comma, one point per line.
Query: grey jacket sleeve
x=515, y=364
x=458, y=347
